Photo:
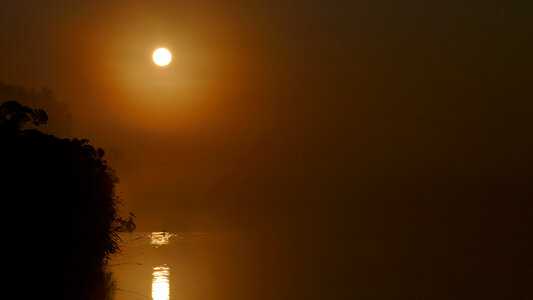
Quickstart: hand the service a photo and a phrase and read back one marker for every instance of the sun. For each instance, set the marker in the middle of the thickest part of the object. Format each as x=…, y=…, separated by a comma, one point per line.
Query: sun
x=162, y=57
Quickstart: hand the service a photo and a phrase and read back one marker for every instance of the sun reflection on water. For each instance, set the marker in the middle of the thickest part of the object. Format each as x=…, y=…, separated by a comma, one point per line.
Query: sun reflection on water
x=160, y=283
x=160, y=238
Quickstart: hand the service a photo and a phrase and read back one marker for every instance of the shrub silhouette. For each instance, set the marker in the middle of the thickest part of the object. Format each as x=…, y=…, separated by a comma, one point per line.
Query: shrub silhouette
x=61, y=193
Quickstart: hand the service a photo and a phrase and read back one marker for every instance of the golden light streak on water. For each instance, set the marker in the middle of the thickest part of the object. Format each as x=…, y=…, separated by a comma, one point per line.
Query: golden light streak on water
x=160, y=238
x=160, y=283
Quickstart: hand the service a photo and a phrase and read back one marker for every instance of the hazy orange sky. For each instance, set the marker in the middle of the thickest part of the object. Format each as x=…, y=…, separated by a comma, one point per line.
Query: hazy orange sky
x=275, y=114
x=379, y=149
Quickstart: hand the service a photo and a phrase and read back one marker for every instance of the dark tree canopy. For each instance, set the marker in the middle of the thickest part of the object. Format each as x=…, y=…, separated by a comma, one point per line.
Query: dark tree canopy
x=61, y=193
x=14, y=114
x=60, y=118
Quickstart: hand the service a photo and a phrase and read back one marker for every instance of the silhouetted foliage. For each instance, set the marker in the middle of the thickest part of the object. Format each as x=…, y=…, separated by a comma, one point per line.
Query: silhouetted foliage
x=62, y=194
x=126, y=225
x=16, y=115
x=44, y=98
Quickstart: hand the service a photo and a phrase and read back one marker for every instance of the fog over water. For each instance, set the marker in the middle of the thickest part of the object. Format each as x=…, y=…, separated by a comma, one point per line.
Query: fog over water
x=371, y=149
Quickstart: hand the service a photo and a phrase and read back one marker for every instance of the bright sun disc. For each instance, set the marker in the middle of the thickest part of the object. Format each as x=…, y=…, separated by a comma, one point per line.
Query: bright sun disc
x=162, y=57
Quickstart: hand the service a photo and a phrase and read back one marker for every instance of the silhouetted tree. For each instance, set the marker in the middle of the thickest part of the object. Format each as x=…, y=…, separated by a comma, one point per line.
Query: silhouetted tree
x=62, y=193
x=15, y=115
x=44, y=98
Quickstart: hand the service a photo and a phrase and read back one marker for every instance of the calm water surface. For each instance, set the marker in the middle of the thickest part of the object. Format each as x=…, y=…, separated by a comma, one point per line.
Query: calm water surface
x=163, y=266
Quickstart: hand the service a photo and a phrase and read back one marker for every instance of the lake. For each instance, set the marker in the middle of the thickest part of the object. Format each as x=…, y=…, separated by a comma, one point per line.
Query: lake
x=164, y=265
x=296, y=265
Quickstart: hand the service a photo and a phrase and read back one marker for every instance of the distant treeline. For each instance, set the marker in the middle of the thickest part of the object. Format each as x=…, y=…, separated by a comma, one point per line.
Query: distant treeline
x=60, y=197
